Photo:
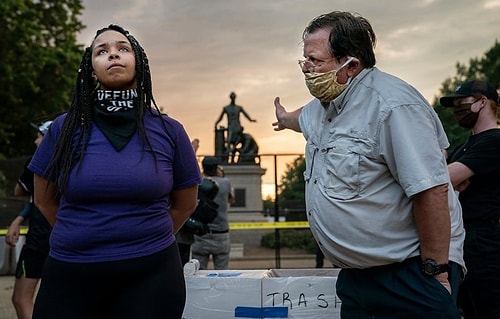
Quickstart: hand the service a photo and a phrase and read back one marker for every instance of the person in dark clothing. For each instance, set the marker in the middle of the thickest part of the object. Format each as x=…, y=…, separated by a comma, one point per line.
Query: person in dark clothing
x=475, y=171
x=36, y=248
x=216, y=242
x=320, y=257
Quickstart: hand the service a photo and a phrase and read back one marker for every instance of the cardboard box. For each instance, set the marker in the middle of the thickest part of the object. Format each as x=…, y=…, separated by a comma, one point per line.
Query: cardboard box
x=273, y=293
x=217, y=294
x=307, y=293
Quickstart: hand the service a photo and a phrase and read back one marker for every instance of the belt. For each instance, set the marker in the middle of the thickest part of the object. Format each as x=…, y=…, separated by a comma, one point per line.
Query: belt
x=218, y=231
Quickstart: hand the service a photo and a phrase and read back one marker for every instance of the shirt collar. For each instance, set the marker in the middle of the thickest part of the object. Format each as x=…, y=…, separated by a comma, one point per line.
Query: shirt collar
x=340, y=101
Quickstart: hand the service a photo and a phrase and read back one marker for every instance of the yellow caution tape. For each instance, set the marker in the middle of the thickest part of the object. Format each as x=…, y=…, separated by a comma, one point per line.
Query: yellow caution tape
x=268, y=225
x=22, y=230
x=232, y=226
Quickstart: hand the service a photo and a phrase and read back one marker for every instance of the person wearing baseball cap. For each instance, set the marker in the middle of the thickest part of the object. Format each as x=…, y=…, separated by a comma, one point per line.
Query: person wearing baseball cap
x=35, y=249
x=475, y=171
x=216, y=242
x=468, y=101
x=43, y=127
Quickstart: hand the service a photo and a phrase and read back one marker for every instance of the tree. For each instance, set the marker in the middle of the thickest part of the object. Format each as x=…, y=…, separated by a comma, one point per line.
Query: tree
x=40, y=57
x=291, y=197
x=292, y=182
x=292, y=190
x=485, y=68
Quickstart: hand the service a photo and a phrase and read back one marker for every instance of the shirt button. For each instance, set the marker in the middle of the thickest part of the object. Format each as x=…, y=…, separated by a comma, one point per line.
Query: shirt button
x=315, y=181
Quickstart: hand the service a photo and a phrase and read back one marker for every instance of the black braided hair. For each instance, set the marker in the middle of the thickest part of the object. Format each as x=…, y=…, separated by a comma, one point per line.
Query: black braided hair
x=70, y=150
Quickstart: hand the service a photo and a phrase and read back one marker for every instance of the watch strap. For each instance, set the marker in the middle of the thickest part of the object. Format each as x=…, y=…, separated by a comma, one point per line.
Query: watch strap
x=431, y=268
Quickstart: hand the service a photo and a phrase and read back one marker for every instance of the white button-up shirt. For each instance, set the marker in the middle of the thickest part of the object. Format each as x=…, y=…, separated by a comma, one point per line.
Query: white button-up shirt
x=374, y=147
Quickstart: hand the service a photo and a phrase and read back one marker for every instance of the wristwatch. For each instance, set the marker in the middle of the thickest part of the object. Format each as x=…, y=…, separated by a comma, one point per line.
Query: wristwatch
x=431, y=268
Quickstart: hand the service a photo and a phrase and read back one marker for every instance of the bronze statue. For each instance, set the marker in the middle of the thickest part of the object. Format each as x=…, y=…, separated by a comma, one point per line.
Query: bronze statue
x=236, y=141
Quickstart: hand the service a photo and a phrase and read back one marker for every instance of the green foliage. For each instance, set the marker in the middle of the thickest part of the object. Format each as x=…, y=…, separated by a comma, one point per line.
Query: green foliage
x=292, y=182
x=291, y=198
x=40, y=58
x=3, y=181
x=291, y=238
x=268, y=205
x=485, y=68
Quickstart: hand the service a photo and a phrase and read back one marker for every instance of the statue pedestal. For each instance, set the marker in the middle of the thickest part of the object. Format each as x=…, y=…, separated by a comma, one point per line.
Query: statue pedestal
x=246, y=181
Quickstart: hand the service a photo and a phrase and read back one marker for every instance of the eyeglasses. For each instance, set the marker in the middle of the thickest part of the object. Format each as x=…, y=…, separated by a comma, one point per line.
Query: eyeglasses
x=310, y=65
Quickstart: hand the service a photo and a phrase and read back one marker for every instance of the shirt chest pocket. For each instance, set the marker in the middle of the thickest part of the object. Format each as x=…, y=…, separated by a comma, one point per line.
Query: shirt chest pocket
x=340, y=177
x=343, y=166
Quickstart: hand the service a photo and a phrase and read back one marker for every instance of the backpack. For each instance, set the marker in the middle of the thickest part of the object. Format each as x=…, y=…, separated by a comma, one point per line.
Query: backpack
x=206, y=209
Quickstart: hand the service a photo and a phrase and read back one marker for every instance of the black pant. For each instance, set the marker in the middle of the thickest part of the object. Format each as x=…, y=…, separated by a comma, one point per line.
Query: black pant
x=149, y=287
x=397, y=291
x=320, y=258
x=479, y=295
x=185, y=252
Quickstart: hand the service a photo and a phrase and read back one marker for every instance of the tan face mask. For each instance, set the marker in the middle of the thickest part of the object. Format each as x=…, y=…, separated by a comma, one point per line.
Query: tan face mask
x=324, y=86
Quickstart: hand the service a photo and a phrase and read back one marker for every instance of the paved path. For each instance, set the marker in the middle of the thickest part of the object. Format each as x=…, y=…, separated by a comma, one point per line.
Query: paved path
x=6, y=309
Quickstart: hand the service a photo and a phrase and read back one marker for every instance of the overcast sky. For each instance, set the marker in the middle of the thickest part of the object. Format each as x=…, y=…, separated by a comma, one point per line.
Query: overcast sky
x=202, y=50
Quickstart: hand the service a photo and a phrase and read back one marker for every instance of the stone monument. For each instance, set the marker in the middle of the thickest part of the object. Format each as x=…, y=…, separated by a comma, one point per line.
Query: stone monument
x=239, y=154
x=232, y=145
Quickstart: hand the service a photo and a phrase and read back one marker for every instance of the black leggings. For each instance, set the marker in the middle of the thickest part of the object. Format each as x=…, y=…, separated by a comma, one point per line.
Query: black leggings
x=149, y=287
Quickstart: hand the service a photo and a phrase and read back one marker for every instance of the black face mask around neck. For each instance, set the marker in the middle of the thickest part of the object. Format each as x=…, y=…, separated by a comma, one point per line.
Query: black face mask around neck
x=115, y=113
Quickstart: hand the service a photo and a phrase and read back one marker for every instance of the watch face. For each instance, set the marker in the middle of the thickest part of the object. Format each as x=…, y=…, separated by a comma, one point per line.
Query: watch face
x=429, y=268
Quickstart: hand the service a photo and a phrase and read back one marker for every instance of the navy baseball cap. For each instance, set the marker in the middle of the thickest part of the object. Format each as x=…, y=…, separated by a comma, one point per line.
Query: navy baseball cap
x=210, y=161
x=471, y=88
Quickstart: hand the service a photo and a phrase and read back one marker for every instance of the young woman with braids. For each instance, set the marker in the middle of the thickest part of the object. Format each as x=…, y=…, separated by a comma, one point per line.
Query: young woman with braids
x=116, y=179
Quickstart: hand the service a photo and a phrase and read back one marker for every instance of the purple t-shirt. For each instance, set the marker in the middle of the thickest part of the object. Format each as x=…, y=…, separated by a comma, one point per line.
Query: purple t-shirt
x=116, y=205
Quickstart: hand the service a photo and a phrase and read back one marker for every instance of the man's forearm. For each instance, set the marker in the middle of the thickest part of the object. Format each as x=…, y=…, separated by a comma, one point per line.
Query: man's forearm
x=432, y=218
